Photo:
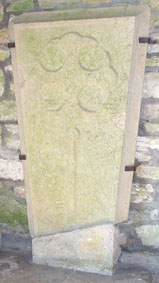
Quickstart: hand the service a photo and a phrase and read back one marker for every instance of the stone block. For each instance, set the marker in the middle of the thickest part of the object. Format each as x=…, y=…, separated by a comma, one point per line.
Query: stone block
x=151, y=85
x=73, y=93
x=149, y=172
x=58, y=3
x=152, y=62
x=91, y=250
x=151, y=112
x=10, y=169
x=149, y=235
x=8, y=110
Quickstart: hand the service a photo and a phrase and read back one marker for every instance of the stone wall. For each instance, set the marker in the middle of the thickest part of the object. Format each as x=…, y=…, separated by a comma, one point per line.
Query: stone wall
x=140, y=233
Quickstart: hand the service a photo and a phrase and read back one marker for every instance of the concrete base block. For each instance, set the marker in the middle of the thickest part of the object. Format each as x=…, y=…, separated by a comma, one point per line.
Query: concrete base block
x=93, y=249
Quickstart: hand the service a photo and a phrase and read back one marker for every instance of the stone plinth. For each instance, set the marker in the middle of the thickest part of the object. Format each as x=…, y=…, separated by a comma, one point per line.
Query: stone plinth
x=92, y=250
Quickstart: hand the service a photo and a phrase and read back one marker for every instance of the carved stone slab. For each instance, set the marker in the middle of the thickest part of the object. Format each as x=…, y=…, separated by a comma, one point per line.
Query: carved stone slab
x=78, y=88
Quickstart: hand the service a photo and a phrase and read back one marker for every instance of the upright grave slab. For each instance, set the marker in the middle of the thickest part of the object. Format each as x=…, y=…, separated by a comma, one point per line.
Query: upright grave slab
x=78, y=77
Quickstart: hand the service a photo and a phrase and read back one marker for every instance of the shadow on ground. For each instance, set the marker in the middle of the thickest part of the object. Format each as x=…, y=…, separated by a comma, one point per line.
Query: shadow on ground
x=19, y=268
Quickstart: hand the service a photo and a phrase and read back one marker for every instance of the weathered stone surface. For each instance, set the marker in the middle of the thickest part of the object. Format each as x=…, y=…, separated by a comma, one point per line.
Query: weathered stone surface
x=149, y=172
x=74, y=127
x=20, y=192
x=19, y=6
x=57, y=3
x=149, y=235
x=151, y=85
x=1, y=82
x=8, y=110
x=141, y=193
x=10, y=169
x=92, y=250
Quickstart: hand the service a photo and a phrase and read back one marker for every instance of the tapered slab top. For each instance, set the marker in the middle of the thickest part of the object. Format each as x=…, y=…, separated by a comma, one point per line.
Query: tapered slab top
x=78, y=88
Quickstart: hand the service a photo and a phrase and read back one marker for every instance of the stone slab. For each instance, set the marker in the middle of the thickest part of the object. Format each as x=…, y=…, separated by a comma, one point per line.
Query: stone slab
x=91, y=250
x=78, y=89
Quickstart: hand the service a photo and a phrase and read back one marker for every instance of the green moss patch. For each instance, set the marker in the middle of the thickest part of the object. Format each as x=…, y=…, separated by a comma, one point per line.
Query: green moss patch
x=11, y=212
x=21, y=6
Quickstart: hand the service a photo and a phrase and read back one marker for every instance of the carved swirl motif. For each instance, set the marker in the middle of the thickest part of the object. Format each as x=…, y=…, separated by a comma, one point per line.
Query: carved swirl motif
x=92, y=58
x=91, y=97
x=52, y=58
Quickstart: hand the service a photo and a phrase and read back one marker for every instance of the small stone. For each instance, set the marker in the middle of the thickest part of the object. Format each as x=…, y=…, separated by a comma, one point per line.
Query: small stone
x=149, y=235
x=1, y=82
x=57, y=3
x=148, y=172
x=20, y=6
x=20, y=192
x=10, y=169
x=4, y=54
x=91, y=250
x=141, y=194
x=8, y=110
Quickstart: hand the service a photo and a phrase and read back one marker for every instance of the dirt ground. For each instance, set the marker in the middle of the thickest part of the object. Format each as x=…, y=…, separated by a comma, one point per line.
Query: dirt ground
x=17, y=268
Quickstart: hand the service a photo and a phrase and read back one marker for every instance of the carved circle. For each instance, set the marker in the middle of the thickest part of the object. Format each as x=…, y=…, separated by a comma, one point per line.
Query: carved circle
x=92, y=58
x=52, y=58
x=91, y=98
